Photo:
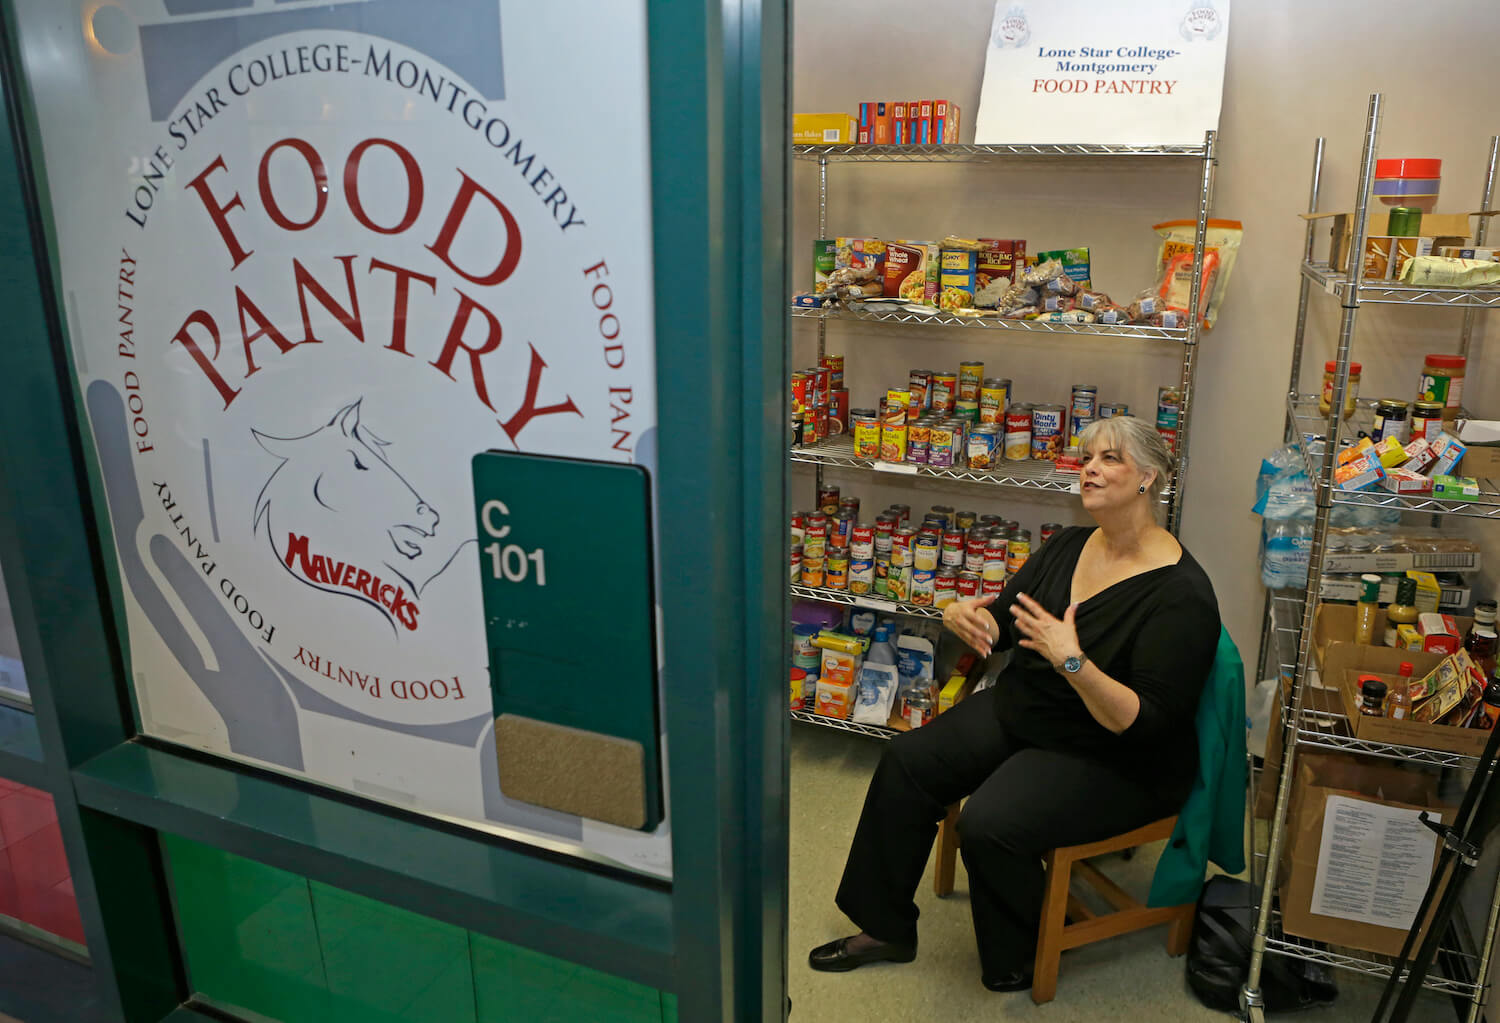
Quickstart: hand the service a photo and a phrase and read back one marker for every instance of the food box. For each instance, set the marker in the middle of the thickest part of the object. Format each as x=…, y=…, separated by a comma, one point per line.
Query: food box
x=823, y=130
x=1455, y=488
x=1414, y=547
x=1359, y=473
x=999, y=259
x=911, y=272
x=835, y=699
x=944, y=121
x=1334, y=647
x=825, y=253
x=808, y=301
x=858, y=253
x=956, y=276
x=1328, y=891
x=1454, y=592
x=1404, y=481
x=1447, y=451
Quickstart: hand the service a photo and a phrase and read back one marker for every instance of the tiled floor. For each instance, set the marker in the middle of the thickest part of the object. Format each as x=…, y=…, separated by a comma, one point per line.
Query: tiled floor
x=35, y=885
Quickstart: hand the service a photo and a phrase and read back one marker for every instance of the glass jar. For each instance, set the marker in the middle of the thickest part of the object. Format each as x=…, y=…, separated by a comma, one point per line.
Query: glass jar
x=1330, y=373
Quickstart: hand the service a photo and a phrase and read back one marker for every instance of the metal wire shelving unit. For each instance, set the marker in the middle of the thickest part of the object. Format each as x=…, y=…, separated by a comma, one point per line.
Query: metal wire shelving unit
x=837, y=453
x=1287, y=639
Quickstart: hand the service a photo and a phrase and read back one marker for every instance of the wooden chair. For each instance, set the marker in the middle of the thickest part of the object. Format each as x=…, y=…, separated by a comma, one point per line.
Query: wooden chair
x=1064, y=864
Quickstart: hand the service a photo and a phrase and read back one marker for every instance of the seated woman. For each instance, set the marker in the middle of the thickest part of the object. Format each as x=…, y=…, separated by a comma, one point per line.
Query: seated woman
x=1087, y=733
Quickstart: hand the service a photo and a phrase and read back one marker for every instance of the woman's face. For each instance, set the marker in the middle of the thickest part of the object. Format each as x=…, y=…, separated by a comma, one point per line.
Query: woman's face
x=1110, y=477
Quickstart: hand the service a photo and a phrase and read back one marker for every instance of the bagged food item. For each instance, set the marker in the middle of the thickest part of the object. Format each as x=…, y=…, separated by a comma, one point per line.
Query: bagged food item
x=1221, y=248
x=1068, y=316
x=1146, y=305
x=876, y=696
x=1039, y=273
x=1093, y=301
x=1111, y=314
x=1055, y=304
x=1446, y=272
x=1075, y=264
x=1063, y=285
x=914, y=660
x=853, y=283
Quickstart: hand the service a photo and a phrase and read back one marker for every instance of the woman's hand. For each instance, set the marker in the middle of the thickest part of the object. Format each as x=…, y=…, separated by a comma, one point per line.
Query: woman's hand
x=970, y=622
x=1056, y=639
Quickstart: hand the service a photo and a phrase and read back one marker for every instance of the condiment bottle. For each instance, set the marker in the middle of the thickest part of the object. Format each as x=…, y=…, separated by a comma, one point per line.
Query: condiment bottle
x=1482, y=642
x=1398, y=700
x=1364, y=611
x=1330, y=374
x=1372, y=698
x=1491, y=713
x=1402, y=611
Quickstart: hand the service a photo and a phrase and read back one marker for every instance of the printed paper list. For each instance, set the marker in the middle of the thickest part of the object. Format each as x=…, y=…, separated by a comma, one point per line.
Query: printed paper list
x=1373, y=864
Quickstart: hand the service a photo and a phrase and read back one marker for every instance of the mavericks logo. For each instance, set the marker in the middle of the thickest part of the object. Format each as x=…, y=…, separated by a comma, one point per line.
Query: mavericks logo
x=340, y=518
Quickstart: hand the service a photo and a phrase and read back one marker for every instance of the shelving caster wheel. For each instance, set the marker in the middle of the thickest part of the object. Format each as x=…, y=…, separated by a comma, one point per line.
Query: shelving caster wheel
x=1252, y=1006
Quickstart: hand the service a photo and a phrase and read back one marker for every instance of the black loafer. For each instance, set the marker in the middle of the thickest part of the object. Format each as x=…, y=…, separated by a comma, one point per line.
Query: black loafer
x=834, y=957
x=1012, y=980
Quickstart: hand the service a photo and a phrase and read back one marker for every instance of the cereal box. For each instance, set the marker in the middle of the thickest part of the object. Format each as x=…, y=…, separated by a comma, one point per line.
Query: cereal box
x=823, y=129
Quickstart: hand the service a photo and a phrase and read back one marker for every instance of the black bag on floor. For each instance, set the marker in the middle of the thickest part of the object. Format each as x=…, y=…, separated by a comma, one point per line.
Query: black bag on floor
x=1218, y=958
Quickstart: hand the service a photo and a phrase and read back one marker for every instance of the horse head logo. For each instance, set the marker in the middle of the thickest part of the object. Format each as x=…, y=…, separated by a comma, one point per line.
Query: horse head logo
x=340, y=518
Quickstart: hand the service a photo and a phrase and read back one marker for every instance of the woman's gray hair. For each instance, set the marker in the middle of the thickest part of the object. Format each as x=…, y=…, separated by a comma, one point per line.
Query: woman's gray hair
x=1140, y=441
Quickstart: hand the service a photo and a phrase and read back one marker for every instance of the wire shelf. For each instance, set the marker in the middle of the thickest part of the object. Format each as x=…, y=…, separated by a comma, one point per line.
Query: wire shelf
x=898, y=315
x=1386, y=293
x=838, y=724
x=1031, y=474
x=866, y=601
x=1311, y=433
x=968, y=153
x=1370, y=963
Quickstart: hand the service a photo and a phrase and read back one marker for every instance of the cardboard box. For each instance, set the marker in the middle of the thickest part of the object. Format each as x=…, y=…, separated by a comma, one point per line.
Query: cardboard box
x=1431, y=550
x=823, y=130
x=1315, y=699
x=1455, y=593
x=1481, y=462
x=1405, y=732
x=1443, y=228
x=1320, y=777
x=1335, y=649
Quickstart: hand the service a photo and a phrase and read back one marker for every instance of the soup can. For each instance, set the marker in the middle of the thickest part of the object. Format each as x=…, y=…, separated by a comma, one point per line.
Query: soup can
x=1085, y=400
x=898, y=582
x=1110, y=409
x=1018, y=551
x=1169, y=438
x=799, y=526
x=974, y=550
x=885, y=525
x=882, y=575
x=902, y=511
x=849, y=506
x=836, y=573
x=838, y=532
x=988, y=586
x=967, y=585
x=796, y=563
x=862, y=541
x=815, y=541
x=941, y=512
x=970, y=380
x=828, y=500
x=1049, y=530
x=1018, y=432
x=982, y=444
x=996, y=556
x=1077, y=426
x=993, y=397
x=965, y=519
x=945, y=587
x=1046, y=432
x=800, y=383
x=901, y=546
x=919, y=383
x=944, y=392
x=861, y=575
x=940, y=446
x=925, y=552
x=952, y=553
x=923, y=587
x=812, y=571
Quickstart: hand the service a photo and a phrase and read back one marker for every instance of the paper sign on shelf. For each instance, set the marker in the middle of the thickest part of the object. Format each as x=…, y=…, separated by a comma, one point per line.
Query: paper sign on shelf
x=1150, y=72
x=1374, y=862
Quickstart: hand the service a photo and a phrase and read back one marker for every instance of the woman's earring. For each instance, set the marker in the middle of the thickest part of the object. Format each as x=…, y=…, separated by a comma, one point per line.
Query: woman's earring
x=1142, y=489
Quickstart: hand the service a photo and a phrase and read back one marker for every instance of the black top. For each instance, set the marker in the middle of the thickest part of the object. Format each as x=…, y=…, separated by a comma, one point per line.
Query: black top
x=1156, y=632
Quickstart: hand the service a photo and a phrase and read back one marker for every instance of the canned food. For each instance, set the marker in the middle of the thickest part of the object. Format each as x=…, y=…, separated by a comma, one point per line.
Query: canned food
x=983, y=443
x=1049, y=530
x=885, y=525
x=828, y=500
x=1110, y=409
x=893, y=443
x=822, y=385
x=965, y=519
x=1077, y=426
x=1046, y=431
x=988, y=586
x=944, y=392
x=861, y=575
x=945, y=587
x=812, y=571
x=1018, y=433
x=898, y=582
x=970, y=379
x=866, y=434
x=838, y=412
x=882, y=576
x=796, y=562
x=849, y=506
x=968, y=411
x=952, y=552
x=940, y=447
x=835, y=366
x=920, y=383
x=815, y=541
x=923, y=587
x=996, y=555
x=993, y=397
x=1169, y=438
x=839, y=532
x=903, y=511
x=901, y=546
x=799, y=527
x=925, y=554
x=800, y=382
x=967, y=586
x=942, y=512
x=1085, y=400
x=836, y=573
x=862, y=541
x=974, y=550
x=1018, y=551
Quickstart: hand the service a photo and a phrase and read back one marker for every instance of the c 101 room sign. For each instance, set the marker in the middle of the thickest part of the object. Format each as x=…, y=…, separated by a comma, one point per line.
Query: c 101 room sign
x=314, y=258
x=1143, y=73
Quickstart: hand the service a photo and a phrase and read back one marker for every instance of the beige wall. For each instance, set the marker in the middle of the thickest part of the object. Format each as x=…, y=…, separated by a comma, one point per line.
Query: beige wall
x=1295, y=71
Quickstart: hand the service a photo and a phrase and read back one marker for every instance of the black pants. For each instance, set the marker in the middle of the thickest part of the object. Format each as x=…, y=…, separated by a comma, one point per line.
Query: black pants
x=1022, y=802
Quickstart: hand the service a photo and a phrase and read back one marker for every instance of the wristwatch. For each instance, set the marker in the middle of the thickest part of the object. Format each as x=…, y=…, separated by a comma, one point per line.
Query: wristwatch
x=1073, y=665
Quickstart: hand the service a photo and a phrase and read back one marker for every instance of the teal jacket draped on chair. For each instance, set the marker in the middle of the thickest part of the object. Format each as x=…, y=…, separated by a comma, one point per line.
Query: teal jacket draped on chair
x=1211, y=824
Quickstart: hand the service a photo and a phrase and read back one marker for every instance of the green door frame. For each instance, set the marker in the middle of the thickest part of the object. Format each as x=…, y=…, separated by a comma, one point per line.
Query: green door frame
x=716, y=937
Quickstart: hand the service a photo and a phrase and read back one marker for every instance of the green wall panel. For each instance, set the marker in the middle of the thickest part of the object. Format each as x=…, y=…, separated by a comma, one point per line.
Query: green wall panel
x=264, y=940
